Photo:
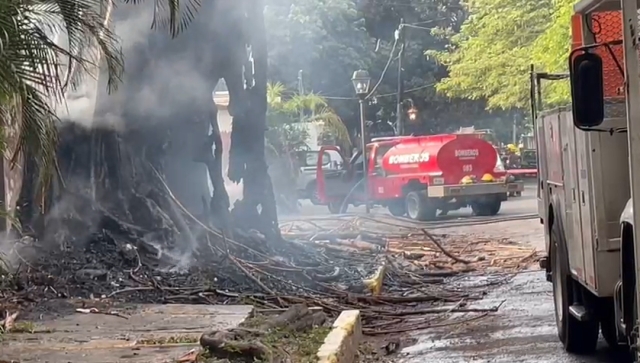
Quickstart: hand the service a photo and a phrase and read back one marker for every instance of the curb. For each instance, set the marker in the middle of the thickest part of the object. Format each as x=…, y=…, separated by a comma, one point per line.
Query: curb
x=341, y=344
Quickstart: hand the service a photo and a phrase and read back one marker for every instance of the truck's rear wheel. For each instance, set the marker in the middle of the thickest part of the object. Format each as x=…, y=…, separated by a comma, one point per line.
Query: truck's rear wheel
x=419, y=207
x=489, y=207
x=608, y=325
x=630, y=315
x=397, y=208
x=577, y=336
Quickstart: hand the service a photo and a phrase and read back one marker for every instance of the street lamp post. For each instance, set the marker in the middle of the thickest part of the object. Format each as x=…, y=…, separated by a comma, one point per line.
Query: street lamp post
x=361, y=81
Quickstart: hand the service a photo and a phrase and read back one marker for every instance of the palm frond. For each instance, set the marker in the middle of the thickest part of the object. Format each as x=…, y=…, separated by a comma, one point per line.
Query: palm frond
x=307, y=102
x=333, y=124
x=274, y=94
x=33, y=66
x=175, y=15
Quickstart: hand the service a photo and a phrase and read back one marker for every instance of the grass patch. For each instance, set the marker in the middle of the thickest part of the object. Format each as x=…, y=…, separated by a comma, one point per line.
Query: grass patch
x=302, y=347
x=285, y=344
x=22, y=327
x=174, y=339
x=25, y=327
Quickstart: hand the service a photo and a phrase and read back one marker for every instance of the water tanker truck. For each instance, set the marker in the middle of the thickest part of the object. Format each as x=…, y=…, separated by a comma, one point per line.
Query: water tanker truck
x=418, y=176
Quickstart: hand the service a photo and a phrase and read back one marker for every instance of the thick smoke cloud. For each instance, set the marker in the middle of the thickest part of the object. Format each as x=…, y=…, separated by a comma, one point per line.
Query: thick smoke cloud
x=169, y=79
x=166, y=93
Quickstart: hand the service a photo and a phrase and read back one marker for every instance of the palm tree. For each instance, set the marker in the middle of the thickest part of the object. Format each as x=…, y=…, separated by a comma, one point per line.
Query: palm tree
x=286, y=137
x=37, y=72
x=313, y=108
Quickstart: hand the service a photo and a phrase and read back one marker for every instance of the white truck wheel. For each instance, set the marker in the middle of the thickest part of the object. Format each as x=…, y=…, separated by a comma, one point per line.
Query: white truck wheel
x=576, y=336
x=397, y=208
x=419, y=207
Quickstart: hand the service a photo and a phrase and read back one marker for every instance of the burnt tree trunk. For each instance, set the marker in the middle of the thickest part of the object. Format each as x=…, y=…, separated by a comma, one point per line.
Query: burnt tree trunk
x=247, y=154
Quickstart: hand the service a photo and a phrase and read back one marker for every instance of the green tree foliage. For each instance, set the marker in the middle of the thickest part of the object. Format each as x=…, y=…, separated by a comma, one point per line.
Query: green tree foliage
x=329, y=39
x=33, y=79
x=437, y=112
x=490, y=57
x=551, y=51
x=325, y=39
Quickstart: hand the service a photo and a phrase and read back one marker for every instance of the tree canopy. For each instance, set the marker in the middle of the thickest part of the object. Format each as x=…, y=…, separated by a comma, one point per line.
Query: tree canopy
x=490, y=57
x=328, y=40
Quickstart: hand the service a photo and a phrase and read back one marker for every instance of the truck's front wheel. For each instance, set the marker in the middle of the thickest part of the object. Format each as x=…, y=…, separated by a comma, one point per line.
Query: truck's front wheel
x=576, y=336
x=608, y=324
x=419, y=207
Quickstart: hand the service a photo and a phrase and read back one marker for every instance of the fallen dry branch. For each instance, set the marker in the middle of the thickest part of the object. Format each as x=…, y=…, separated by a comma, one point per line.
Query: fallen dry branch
x=444, y=250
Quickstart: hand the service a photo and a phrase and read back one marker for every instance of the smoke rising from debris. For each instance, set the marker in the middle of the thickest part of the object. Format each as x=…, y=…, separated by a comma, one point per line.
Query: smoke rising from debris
x=162, y=108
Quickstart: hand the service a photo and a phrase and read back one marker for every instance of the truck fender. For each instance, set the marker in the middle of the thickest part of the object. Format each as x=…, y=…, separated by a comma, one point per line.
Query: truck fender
x=627, y=214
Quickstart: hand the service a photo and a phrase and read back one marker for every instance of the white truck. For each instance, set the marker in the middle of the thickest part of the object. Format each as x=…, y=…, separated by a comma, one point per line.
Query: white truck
x=589, y=181
x=306, y=183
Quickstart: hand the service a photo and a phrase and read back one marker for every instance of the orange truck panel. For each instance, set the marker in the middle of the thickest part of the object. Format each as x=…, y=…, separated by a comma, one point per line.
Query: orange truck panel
x=607, y=26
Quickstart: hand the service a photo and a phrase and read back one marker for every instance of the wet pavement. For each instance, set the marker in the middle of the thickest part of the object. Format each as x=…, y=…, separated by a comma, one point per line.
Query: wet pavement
x=523, y=330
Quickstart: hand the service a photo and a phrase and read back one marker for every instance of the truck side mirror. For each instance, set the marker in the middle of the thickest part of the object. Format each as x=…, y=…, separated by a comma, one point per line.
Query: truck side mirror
x=587, y=89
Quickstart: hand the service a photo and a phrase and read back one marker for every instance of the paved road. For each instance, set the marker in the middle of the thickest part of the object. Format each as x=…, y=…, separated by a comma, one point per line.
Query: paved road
x=523, y=331
x=514, y=206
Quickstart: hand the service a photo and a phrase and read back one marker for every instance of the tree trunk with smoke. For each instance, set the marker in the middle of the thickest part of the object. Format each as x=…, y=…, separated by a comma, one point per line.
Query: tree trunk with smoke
x=247, y=160
x=112, y=179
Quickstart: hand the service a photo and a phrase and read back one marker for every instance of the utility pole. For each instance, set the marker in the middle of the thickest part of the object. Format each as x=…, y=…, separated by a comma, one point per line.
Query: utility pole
x=399, y=114
x=301, y=92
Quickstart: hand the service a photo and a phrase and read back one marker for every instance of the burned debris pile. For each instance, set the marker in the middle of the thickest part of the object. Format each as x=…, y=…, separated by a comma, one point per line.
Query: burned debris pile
x=126, y=237
x=401, y=280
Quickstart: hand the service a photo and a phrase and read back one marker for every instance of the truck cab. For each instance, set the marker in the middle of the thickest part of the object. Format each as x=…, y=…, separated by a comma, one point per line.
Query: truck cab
x=332, y=161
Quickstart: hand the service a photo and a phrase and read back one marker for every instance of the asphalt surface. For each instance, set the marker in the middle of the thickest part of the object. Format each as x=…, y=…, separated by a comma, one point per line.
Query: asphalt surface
x=512, y=207
x=523, y=329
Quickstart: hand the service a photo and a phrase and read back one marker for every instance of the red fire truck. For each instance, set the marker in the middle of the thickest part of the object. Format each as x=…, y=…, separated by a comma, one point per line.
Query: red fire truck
x=419, y=176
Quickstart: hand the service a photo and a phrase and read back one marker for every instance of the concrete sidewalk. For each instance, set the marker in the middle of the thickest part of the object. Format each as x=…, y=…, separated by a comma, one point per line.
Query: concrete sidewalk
x=142, y=334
